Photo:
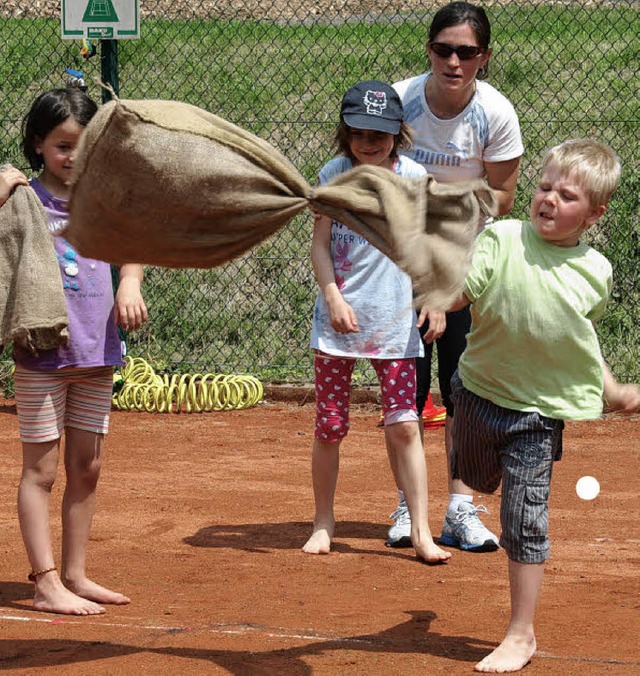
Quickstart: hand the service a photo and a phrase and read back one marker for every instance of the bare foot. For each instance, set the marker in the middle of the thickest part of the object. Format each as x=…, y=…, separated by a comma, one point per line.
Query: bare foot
x=320, y=540
x=511, y=655
x=92, y=591
x=429, y=552
x=53, y=597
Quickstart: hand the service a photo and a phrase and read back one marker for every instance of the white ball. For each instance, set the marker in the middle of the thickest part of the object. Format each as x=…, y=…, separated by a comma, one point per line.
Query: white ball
x=587, y=488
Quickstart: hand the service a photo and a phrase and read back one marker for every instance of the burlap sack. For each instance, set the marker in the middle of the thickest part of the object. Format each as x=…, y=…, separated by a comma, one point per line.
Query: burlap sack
x=33, y=309
x=166, y=183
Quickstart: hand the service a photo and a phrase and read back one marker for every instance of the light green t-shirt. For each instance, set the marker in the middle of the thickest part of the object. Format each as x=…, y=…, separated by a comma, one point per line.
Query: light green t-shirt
x=532, y=344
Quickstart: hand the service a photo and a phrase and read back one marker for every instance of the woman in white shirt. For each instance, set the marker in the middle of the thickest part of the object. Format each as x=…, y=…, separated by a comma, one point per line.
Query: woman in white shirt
x=463, y=129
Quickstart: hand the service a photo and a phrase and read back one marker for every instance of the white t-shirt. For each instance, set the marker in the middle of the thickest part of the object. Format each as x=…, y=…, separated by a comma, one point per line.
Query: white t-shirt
x=373, y=285
x=487, y=130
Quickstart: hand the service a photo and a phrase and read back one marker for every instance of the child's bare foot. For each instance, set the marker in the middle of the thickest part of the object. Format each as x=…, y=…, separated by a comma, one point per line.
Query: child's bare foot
x=511, y=655
x=429, y=552
x=320, y=540
x=92, y=591
x=426, y=548
x=53, y=597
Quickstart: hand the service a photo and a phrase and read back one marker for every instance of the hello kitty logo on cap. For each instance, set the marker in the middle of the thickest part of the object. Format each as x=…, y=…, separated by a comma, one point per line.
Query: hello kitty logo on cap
x=374, y=105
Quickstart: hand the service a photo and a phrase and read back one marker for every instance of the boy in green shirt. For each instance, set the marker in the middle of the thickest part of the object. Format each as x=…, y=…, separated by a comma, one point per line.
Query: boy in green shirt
x=532, y=361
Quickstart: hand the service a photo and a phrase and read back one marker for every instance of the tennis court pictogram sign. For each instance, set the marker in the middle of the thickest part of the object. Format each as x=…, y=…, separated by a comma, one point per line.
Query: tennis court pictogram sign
x=100, y=19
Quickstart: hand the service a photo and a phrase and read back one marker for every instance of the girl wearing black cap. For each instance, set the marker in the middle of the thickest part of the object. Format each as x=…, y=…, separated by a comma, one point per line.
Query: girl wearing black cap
x=364, y=310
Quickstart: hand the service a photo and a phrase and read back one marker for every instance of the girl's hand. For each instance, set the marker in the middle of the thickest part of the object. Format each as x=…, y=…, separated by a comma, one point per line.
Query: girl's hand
x=343, y=317
x=437, y=324
x=130, y=308
x=9, y=179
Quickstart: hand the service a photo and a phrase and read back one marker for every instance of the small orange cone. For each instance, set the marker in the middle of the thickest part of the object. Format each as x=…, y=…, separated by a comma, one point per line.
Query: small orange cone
x=432, y=416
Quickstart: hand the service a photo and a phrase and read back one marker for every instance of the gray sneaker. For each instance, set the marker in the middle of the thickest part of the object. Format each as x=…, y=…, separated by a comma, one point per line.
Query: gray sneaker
x=463, y=529
x=399, y=534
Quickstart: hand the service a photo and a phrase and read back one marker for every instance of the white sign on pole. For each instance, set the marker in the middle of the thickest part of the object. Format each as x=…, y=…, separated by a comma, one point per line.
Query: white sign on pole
x=100, y=19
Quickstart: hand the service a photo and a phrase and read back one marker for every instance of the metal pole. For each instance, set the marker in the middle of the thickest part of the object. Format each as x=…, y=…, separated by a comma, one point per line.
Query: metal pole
x=109, y=67
x=109, y=75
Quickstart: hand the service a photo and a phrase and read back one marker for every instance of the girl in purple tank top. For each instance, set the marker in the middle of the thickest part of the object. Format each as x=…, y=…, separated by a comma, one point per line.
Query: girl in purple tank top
x=68, y=389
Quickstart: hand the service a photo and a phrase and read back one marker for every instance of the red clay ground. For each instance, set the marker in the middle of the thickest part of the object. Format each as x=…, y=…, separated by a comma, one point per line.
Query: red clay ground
x=201, y=519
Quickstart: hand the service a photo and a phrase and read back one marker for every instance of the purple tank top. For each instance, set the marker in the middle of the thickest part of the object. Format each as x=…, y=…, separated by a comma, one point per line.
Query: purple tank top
x=93, y=336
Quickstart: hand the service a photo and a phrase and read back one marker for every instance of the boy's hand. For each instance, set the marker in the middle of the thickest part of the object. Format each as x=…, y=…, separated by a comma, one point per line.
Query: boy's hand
x=437, y=324
x=623, y=398
x=9, y=179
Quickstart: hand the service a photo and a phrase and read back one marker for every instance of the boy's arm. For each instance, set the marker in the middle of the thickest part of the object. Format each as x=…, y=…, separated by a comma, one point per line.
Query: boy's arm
x=342, y=316
x=131, y=311
x=621, y=397
x=10, y=177
x=460, y=302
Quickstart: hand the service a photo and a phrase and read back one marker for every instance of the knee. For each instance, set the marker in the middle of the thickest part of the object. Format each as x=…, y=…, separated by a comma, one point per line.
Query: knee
x=42, y=479
x=403, y=433
x=84, y=473
x=331, y=426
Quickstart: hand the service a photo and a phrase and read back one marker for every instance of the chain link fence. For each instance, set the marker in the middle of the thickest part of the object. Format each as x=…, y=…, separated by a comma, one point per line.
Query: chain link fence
x=279, y=70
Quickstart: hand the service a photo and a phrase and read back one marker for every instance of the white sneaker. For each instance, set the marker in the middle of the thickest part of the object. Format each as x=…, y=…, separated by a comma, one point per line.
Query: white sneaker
x=463, y=529
x=399, y=534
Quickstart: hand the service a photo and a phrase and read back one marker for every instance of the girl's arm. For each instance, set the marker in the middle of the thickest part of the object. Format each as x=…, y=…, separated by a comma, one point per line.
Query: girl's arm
x=131, y=311
x=9, y=179
x=503, y=177
x=618, y=396
x=342, y=316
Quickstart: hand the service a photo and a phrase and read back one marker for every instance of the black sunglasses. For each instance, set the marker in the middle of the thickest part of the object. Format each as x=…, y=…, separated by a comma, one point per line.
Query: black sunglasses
x=464, y=52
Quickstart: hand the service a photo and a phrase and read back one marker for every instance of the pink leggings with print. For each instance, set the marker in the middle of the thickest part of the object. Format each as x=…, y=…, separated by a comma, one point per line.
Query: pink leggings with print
x=333, y=388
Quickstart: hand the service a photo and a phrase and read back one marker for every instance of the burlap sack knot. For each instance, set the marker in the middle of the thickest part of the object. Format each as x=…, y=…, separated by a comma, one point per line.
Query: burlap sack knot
x=166, y=183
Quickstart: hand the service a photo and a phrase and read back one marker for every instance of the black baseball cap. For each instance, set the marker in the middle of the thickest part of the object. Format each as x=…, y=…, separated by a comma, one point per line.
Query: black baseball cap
x=372, y=104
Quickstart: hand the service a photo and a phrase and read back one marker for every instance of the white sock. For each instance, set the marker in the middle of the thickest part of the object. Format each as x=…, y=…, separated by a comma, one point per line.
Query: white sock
x=400, y=496
x=456, y=498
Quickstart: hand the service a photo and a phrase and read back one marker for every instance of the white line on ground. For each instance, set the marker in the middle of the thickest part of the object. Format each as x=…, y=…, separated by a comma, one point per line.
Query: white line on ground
x=272, y=633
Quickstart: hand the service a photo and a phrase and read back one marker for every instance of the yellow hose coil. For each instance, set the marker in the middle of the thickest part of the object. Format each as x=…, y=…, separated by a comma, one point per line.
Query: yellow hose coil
x=143, y=390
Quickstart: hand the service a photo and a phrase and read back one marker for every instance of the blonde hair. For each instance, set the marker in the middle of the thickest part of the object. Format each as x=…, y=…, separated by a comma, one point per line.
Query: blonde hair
x=594, y=165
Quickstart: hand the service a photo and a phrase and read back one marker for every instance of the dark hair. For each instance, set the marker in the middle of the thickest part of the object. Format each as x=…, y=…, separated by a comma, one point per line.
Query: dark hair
x=456, y=13
x=401, y=141
x=47, y=112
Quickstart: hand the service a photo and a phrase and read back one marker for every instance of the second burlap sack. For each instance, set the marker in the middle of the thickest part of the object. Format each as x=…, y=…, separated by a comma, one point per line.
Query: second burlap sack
x=169, y=184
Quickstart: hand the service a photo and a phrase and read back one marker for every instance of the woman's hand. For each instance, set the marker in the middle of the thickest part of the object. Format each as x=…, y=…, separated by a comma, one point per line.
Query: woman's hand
x=437, y=324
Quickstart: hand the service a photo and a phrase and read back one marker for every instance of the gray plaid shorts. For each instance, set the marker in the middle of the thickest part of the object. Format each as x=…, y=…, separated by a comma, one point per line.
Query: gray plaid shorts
x=494, y=444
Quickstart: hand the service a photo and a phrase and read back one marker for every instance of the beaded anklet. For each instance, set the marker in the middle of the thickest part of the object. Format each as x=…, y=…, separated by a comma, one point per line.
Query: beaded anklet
x=35, y=574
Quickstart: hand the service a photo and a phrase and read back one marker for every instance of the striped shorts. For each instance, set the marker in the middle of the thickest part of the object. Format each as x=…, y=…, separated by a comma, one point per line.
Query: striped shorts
x=494, y=444
x=49, y=401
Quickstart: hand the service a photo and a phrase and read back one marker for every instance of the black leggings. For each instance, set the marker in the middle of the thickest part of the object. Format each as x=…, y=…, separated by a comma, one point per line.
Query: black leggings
x=451, y=345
